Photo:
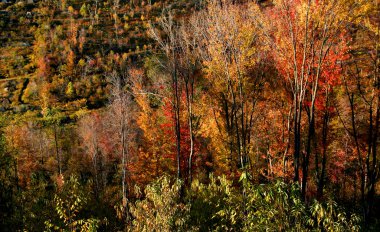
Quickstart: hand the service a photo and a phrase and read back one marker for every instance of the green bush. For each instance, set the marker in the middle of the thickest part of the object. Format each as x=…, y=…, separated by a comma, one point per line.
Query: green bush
x=215, y=206
x=68, y=206
x=161, y=209
x=222, y=205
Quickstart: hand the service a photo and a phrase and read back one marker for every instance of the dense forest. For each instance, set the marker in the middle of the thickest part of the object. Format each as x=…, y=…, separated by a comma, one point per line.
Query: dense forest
x=198, y=115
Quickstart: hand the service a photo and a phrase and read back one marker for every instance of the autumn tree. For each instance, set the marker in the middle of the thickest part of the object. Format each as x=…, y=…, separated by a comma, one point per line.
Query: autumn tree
x=306, y=38
x=360, y=111
x=232, y=56
x=189, y=64
x=114, y=14
x=90, y=128
x=168, y=42
x=157, y=149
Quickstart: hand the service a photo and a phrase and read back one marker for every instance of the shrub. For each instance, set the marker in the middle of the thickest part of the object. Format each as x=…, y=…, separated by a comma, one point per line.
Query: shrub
x=215, y=206
x=161, y=209
x=222, y=205
x=68, y=207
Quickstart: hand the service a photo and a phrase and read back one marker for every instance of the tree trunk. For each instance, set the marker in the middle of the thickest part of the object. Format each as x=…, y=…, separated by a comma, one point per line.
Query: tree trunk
x=189, y=99
x=297, y=138
x=321, y=175
x=57, y=150
x=306, y=157
x=177, y=120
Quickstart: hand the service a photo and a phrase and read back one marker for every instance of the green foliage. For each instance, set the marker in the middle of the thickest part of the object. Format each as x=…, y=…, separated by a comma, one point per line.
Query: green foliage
x=223, y=206
x=279, y=207
x=70, y=90
x=276, y=207
x=215, y=206
x=161, y=209
x=68, y=207
x=83, y=10
x=330, y=217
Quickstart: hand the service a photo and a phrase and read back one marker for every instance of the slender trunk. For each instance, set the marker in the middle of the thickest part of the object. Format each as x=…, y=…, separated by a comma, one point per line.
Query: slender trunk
x=355, y=135
x=229, y=132
x=321, y=175
x=177, y=120
x=57, y=150
x=238, y=137
x=374, y=166
x=297, y=138
x=190, y=121
x=369, y=171
x=306, y=157
x=243, y=128
x=95, y=164
x=374, y=170
x=124, y=153
x=284, y=161
x=123, y=164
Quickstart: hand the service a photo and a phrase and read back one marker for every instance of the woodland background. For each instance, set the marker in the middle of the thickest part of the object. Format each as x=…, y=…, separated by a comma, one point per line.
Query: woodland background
x=189, y=115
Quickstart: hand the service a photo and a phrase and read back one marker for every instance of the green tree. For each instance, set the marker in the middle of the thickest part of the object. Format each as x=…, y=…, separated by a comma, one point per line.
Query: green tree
x=68, y=205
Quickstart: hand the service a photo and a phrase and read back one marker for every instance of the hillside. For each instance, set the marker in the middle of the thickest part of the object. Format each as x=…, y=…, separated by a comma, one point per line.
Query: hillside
x=67, y=45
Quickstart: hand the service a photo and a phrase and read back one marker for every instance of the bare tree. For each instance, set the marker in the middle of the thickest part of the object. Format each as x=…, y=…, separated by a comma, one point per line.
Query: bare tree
x=89, y=131
x=120, y=112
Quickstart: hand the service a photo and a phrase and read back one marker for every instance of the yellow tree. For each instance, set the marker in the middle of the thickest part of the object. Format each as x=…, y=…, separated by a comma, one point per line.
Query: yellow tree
x=232, y=54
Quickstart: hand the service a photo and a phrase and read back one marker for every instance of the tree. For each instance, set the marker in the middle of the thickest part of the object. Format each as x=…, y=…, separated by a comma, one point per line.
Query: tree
x=83, y=10
x=9, y=185
x=189, y=66
x=232, y=56
x=89, y=130
x=169, y=46
x=68, y=204
x=155, y=150
x=53, y=120
x=70, y=90
x=114, y=14
x=361, y=86
x=121, y=110
x=305, y=35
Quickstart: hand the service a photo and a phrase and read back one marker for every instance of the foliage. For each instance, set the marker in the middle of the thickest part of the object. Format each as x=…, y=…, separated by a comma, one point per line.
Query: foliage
x=221, y=206
x=68, y=206
x=279, y=206
x=161, y=209
x=281, y=93
x=83, y=10
x=215, y=206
